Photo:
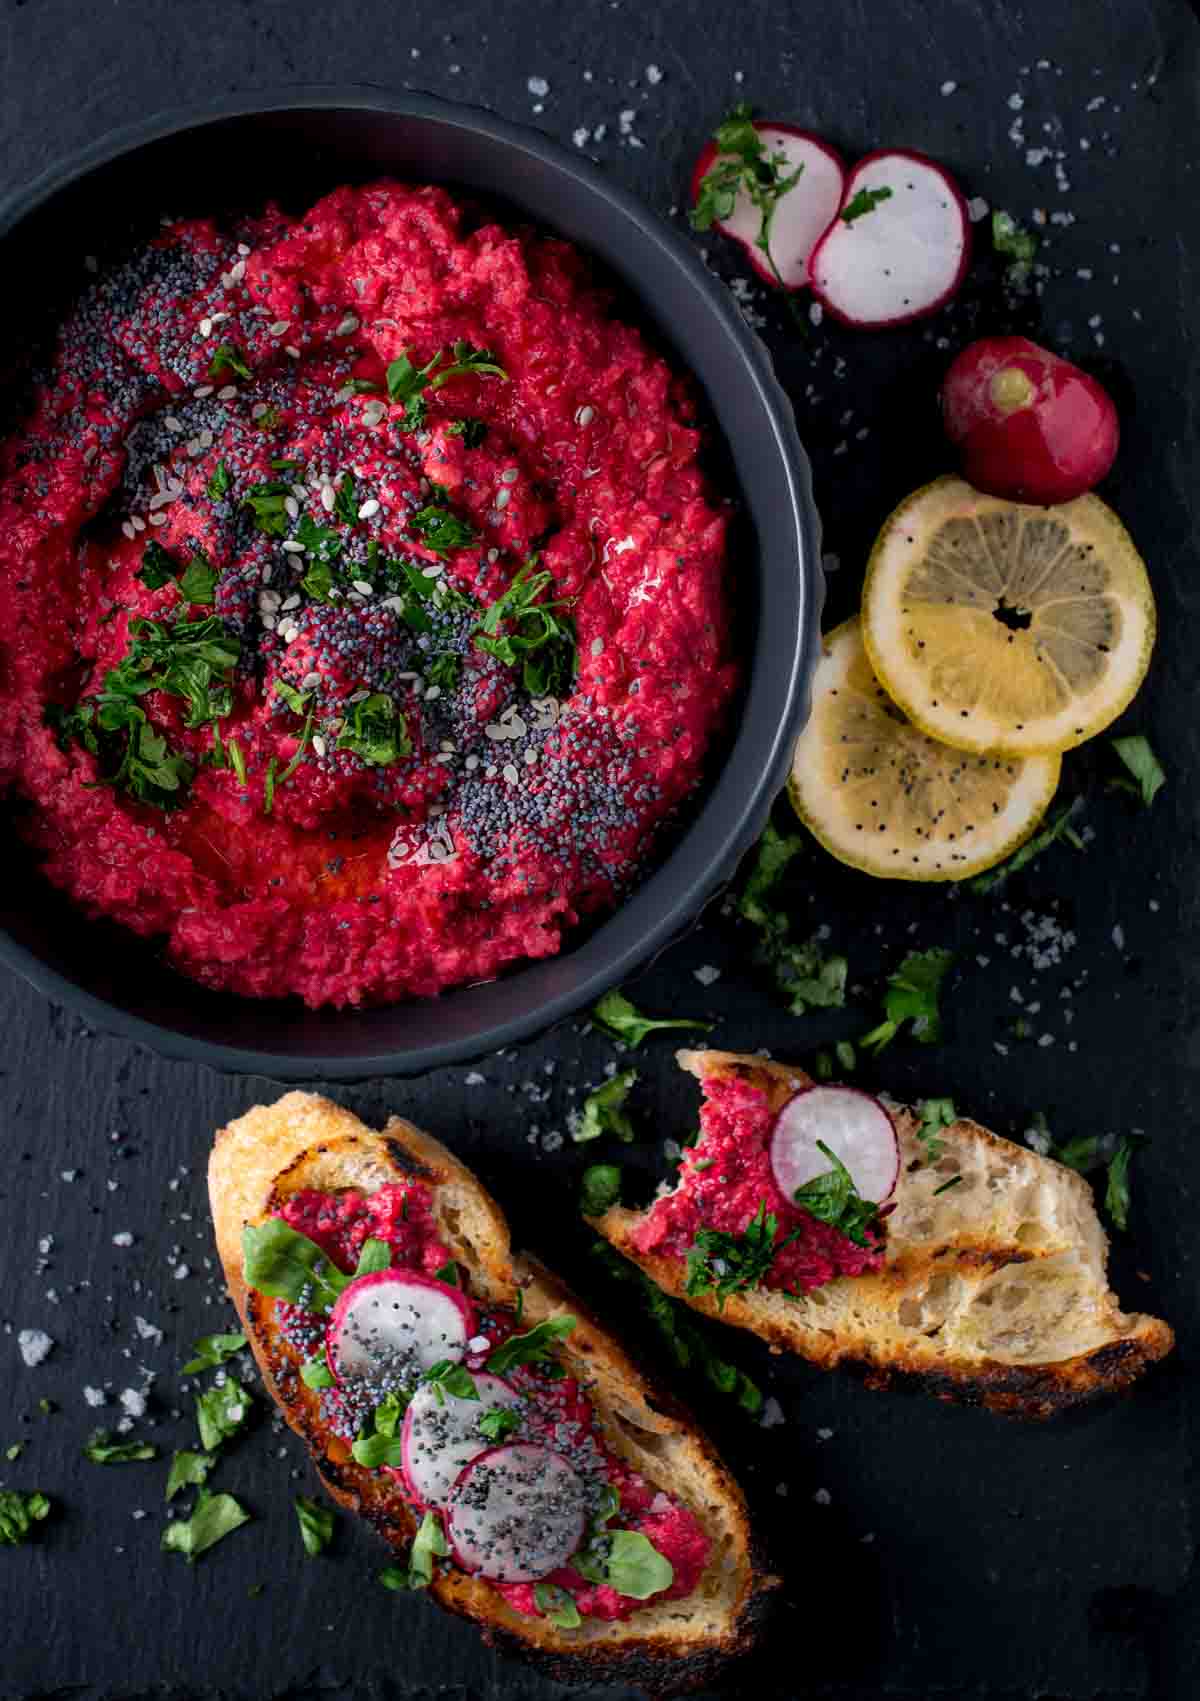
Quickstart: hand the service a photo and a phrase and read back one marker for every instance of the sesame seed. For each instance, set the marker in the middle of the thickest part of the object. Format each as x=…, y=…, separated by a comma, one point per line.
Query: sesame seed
x=202, y=391
x=278, y=328
x=227, y=392
x=369, y=508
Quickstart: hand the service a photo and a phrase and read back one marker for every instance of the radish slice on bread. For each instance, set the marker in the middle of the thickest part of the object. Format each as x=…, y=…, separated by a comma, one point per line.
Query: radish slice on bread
x=852, y=1125
x=516, y=1513
x=899, y=246
x=393, y=1325
x=441, y=1434
x=802, y=212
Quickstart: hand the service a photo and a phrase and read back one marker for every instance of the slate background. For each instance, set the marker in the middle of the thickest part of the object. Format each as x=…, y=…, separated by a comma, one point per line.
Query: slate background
x=957, y=1556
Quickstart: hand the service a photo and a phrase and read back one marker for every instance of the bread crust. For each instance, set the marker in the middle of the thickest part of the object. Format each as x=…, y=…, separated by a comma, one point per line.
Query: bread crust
x=305, y=1140
x=858, y=1323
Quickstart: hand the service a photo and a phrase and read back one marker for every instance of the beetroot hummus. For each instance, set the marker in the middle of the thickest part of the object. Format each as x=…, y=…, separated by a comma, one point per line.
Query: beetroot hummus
x=725, y=1179
x=362, y=610
x=551, y=1411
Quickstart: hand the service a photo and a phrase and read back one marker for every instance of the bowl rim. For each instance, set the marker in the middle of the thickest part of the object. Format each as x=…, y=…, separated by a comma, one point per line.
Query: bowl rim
x=735, y=837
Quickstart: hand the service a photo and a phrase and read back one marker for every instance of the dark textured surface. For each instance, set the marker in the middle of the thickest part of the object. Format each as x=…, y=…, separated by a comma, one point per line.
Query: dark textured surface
x=929, y=1552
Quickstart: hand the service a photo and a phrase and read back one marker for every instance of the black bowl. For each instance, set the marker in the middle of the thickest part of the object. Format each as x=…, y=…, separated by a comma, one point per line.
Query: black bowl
x=292, y=146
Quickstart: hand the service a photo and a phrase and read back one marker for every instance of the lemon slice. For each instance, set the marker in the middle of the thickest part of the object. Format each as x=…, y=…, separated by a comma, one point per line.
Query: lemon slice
x=883, y=797
x=998, y=626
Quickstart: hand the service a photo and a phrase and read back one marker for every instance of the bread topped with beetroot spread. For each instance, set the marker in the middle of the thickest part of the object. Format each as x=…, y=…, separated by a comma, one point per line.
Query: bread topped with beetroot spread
x=846, y=1232
x=456, y=1396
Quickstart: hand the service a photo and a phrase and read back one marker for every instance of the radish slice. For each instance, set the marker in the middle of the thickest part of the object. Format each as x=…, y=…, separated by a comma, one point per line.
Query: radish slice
x=801, y=215
x=516, y=1513
x=854, y=1126
x=441, y=1435
x=903, y=257
x=393, y=1325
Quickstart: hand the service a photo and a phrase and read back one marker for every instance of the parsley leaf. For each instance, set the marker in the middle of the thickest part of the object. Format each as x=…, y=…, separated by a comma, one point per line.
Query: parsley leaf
x=215, y=1517
x=316, y=1524
x=724, y=1263
x=682, y=1336
x=221, y=1412
x=198, y=581
x=219, y=483
x=936, y=1114
x=407, y=383
x=635, y=1566
x=742, y=162
x=534, y=637
x=807, y=978
x=604, y=1110
x=228, y=358
x=500, y=1422
x=345, y=501
x=188, y=1470
x=1060, y=828
x=375, y=731
x=1117, y=1194
x=1079, y=1154
x=428, y=1543
x=440, y=530
x=557, y=1606
x=617, y=1017
x=833, y=1198
x=912, y=995
x=19, y=1513
x=472, y=431
x=267, y=502
x=103, y=1448
x=446, y=1377
x=279, y=1262
x=157, y=568
x=865, y=201
x=536, y=1346
x=212, y=1351
x=1143, y=764
x=601, y=1189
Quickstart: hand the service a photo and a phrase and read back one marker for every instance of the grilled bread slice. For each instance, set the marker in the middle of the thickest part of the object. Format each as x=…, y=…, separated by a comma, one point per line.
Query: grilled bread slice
x=992, y=1293
x=666, y=1648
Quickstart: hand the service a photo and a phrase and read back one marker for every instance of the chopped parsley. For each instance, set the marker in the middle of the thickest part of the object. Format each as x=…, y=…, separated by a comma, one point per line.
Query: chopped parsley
x=499, y=1423
x=440, y=530
x=188, y=1470
x=536, y=1346
x=428, y=1543
x=228, y=358
x=472, y=431
x=604, y=1110
x=372, y=1451
x=316, y=1524
x=936, y=1114
x=267, y=501
x=621, y=1020
x=221, y=1412
x=104, y=1448
x=157, y=568
x=345, y=501
x=534, y=637
x=947, y=1185
x=912, y=995
x=683, y=1337
x=833, y=1198
x=219, y=483
x=803, y=974
x=742, y=162
x=1143, y=764
x=601, y=1188
x=375, y=731
x=1116, y=1193
x=1060, y=828
x=19, y=1513
x=198, y=582
x=1015, y=244
x=865, y=201
x=283, y=1264
x=215, y=1516
x=723, y=1263
x=212, y=1351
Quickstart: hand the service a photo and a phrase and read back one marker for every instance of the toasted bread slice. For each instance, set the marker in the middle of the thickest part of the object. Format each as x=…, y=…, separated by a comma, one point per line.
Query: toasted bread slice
x=992, y=1293
x=666, y=1648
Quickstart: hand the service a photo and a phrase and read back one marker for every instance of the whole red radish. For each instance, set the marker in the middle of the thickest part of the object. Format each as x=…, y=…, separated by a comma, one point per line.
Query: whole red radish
x=1030, y=425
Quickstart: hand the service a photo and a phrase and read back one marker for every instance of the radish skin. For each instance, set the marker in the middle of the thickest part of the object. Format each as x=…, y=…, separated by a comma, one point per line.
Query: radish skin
x=802, y=214
x=904, y=258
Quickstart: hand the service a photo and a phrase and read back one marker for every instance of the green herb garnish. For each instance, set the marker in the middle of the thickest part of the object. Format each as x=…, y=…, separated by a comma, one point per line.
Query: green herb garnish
x=865, y=201
x=723, y=1263
x=212, y=1351
x=19, y=1513
x=221, y=1412
x=601, y=1189
x=228, y=358
x=315, y=1373
x=375, y=731
x=604, y=1110
x=536, y=1346
x=557, y=1606
x=522, y=632
x=635, y=1566
x=502, y=1421
x=345, y=501
x=188, y=1470
x=316, y=1524
x=936, y=1114
x=372, y=1451
x=912, y=995
x=440, y=530
x=267, y=501
x=219, y=483
x=472, y=431
x=428, y=1543
x=279, y=1262
x=742, y=162
x=446, y=1377
x=1018, y=246
x=103, y=1448
x=1116, y=1193
x=157, y=568
x=833, y=1198
x=804, y=975
x=1143, y=764
x=621, y=1020
x=215, y=1517
x=1060, y=828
